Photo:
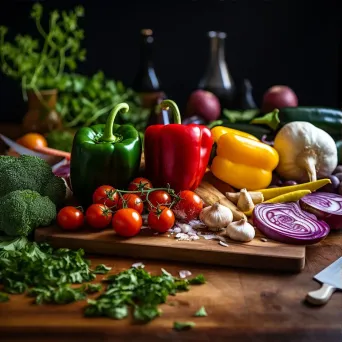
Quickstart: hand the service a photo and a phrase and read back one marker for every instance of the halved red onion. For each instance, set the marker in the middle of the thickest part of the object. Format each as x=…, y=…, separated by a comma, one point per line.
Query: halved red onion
x=326, y=206
x=286, y=222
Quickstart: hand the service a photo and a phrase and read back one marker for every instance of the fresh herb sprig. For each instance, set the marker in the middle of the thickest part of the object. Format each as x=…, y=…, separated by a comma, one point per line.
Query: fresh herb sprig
x=40, y=66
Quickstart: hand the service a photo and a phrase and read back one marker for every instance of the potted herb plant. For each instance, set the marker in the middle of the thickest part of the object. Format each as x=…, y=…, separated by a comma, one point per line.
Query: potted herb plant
x=39, y=64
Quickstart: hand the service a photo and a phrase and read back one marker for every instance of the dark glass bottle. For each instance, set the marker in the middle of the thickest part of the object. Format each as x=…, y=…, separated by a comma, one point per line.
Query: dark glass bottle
x=217, y=78
x=244, y=96
x=146, y=81
x=159, y=116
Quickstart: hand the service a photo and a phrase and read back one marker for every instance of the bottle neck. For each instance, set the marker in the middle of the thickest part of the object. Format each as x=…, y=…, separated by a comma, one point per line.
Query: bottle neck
x=146, y=47
x=217, y=53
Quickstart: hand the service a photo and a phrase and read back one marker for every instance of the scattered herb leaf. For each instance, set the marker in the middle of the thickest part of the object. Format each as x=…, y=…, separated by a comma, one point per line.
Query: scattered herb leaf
x=201, y=312
x=93, y=288
x=180, y=326
x=198, y=280
x=102, y=269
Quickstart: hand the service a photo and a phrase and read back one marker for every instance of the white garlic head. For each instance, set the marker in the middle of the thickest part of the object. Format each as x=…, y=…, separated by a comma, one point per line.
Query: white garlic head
x=216, y=216
x=241, y=231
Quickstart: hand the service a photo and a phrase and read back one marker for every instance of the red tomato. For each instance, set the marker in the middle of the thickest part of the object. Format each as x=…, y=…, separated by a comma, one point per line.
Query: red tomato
x=107, y=195
x=131, y=201
x=139, y=184
x=159, y=197
x=161, y=219
x=70, y=218
x=98, y=216
x=189, y=207
x=127, y=222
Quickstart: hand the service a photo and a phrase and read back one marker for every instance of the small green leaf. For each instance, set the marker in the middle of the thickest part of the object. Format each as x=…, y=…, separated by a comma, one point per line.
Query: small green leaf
x=201, y=312
x=179, y=326
x=146, y=313
x=198, y=280
x=102, y=269
x=4, y=297
x=92, y=288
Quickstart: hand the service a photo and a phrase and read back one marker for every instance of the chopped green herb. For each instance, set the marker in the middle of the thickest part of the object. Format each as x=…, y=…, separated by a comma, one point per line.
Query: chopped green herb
x=92, y=288
x=201, y=312
x=198, y=280
x=102, y=269
x=179, y=326
x=3, y=297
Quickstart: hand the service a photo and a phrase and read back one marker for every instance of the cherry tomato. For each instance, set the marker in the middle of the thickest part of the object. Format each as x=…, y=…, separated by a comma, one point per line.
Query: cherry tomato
x=159, y=197
x=70, y=218
x=131, y=201
x=107, y=195
x=161, y=219
x=32, y=141
x=189, y=207
x=127, y=222
x=98, y=216
x=139, y=184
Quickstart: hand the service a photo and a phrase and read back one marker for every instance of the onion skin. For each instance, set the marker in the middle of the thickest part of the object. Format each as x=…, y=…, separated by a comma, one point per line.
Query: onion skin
x=325, y=206
x=287, y=217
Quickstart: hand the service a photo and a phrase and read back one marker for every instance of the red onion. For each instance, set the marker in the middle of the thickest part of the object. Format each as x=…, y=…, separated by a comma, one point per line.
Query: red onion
x=326, y=206
x=286, y=222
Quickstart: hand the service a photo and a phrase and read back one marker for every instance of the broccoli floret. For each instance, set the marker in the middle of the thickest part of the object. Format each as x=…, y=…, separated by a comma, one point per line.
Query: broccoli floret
x=33, y=173
x=22, y=211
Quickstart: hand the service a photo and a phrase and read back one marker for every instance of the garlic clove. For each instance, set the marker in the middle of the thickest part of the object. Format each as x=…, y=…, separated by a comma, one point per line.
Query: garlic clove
x=245, y=202
x=241, y=230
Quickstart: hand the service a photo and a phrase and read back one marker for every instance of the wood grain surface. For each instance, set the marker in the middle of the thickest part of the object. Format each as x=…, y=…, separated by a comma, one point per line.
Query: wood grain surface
x=255, y=254
x=242, y=305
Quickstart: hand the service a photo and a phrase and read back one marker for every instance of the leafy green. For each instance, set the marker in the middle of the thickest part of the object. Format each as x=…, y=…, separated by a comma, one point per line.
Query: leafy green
x=3, y=297
x=201, y=312
x=198, y=280
x=40, y=64
x=93, y=288
x=60, y=140
x=85, y=101
x=179, y=326
x=138, y=289
x=240, y=116
x=102, y=269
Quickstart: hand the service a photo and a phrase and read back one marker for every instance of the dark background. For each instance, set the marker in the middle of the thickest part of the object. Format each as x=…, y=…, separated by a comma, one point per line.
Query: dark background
x=294, y=42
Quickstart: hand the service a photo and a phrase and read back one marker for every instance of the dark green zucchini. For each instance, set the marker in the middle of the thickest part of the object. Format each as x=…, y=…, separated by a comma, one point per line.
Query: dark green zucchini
x=328, y=119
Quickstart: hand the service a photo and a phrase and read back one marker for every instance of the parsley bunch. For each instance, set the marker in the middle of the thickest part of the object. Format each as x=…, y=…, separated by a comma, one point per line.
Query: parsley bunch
x=85, y=101
x=40, y=66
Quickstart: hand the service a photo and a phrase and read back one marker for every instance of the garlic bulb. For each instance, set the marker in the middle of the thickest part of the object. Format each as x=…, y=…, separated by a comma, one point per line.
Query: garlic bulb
x=241, y=231
x=305, y=152
x=216, y=216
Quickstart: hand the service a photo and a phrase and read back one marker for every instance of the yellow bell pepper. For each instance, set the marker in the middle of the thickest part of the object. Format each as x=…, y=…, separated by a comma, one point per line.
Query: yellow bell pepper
x=242, y=160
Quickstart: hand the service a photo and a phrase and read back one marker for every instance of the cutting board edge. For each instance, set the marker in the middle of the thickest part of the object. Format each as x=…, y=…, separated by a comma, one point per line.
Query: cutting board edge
x=212, y=257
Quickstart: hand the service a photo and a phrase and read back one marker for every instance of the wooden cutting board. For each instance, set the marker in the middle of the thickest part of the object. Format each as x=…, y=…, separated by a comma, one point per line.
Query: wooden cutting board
x=257, y=254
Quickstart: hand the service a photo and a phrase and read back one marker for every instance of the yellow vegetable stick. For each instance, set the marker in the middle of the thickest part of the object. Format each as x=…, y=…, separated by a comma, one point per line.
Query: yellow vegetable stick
x=289, y=197
x=312, y=186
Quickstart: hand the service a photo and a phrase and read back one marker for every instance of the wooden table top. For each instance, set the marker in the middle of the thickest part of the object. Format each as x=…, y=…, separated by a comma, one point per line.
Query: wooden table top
x=242, y=305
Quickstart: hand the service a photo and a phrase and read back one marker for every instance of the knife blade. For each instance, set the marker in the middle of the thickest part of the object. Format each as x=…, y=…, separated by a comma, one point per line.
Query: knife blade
x=331, y=279
x=23, y=150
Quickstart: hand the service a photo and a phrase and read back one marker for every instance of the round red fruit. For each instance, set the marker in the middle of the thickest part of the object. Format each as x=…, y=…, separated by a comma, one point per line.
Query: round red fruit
x=161, y=219
x=70, y=218
x=189, y=206
x=107, y=195
x=132, y=201
x=139, y=184
x=158, y=198
x=127, y=222
x=98, y=216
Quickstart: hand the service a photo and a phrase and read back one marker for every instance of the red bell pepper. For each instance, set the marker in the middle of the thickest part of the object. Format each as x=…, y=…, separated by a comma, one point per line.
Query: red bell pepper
x=177, y=154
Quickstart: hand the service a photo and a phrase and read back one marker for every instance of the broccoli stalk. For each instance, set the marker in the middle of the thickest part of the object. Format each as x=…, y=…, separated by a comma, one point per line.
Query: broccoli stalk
x=22, y=211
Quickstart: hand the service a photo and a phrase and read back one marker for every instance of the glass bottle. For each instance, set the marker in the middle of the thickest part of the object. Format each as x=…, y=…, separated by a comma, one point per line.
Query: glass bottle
x=146, y=81
x=244, y=96
x=159, y=116
x=217, y=78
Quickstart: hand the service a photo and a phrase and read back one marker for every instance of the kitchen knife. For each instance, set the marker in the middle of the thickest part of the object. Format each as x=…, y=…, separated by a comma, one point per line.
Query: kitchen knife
x=331, y=279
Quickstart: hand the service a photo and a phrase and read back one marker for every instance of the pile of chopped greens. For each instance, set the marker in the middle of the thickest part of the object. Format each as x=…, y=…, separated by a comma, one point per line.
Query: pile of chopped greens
x=49, y=275
x=85, y=101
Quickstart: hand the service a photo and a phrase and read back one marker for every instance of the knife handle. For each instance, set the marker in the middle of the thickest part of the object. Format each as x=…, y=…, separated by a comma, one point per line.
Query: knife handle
x=320, y=296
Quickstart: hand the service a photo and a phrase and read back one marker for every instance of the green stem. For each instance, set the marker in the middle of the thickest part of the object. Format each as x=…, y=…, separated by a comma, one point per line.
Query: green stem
x=269, y=119
x=169, y=104
x=108, y=135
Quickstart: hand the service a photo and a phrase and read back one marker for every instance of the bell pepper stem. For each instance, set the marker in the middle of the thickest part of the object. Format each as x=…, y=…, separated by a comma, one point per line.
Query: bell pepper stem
x=108, y=135
x=169, y=104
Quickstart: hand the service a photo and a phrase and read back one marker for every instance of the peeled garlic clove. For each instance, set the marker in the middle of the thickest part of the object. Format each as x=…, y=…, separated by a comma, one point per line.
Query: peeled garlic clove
x=245, y=202
x=241, y=231
x=216, y=216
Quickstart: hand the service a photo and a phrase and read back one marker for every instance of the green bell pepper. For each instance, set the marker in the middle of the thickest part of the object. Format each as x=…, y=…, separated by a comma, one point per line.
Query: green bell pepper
x=107, y=154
